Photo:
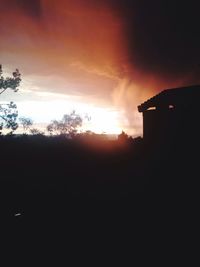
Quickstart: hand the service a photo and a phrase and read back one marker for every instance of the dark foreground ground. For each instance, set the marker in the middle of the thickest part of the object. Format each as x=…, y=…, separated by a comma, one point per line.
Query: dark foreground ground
x=104, y=191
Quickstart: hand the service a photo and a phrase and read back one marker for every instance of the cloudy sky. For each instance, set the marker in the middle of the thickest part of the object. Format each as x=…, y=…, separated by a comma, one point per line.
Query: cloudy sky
x=102, y=57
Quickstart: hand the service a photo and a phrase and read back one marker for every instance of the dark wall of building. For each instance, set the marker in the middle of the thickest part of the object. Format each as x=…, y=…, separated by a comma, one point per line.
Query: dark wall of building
x=165, y=124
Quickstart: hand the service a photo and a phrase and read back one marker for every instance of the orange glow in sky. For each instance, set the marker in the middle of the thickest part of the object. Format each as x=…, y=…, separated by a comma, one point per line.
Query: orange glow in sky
x=72, y=50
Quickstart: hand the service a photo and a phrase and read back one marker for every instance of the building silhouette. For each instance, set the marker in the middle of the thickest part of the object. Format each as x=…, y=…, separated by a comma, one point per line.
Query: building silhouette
x=173, y=114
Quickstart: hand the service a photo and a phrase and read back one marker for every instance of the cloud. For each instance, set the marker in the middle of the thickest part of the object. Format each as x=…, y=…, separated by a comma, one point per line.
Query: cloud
x=163, y=38
x=110, y=52
x=30, y=8
x=65, y=32
x=154, y=38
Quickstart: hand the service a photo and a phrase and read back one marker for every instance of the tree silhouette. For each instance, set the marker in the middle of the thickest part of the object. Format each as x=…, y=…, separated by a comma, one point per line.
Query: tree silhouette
x=123, y=137
x=67, y=126
x=8, y=116
x=35, y=131
x=8, y=112
x=26, y=123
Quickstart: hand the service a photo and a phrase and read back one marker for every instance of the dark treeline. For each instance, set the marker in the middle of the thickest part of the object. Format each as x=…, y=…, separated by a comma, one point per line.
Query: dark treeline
x=86, y=167
x=76, y=194
x=92, y=168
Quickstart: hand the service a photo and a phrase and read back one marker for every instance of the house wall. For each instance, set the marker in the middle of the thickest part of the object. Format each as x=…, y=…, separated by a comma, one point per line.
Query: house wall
x=162, y=124
x=173, y=113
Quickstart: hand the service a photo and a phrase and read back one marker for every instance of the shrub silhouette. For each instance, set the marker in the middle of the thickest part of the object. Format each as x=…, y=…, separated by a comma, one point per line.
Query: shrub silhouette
x=68, y=125
x=8, y=112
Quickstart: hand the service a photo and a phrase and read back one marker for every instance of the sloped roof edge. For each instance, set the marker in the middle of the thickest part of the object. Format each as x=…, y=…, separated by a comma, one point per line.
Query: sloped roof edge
x=170, y=96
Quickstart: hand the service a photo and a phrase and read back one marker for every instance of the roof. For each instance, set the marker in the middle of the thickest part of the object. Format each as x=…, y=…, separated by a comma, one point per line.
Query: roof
x=181, y=96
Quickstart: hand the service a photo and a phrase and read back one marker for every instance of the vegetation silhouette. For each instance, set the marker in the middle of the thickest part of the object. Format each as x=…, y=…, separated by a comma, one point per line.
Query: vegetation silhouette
x=26, y=123
x=69, y=125
x=8, y=111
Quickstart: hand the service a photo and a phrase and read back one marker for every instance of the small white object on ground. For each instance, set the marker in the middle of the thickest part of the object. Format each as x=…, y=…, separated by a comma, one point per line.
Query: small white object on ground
x=17, y=214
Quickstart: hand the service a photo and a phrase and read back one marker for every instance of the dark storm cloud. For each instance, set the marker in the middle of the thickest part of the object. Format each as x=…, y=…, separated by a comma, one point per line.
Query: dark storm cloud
x=163, y=37
x=30, y=8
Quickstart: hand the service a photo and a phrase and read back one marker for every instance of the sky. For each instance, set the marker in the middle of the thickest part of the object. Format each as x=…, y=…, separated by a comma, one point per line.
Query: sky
x=99, y=57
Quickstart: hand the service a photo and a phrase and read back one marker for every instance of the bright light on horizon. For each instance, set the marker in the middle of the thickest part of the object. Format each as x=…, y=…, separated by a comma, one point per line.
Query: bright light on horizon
x=103, y=120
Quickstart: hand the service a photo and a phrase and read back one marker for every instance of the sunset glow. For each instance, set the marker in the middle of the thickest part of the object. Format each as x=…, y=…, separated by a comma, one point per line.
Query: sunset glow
x=95, y=119
x=103, y=121
x=71, y=56
x=100, y=54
